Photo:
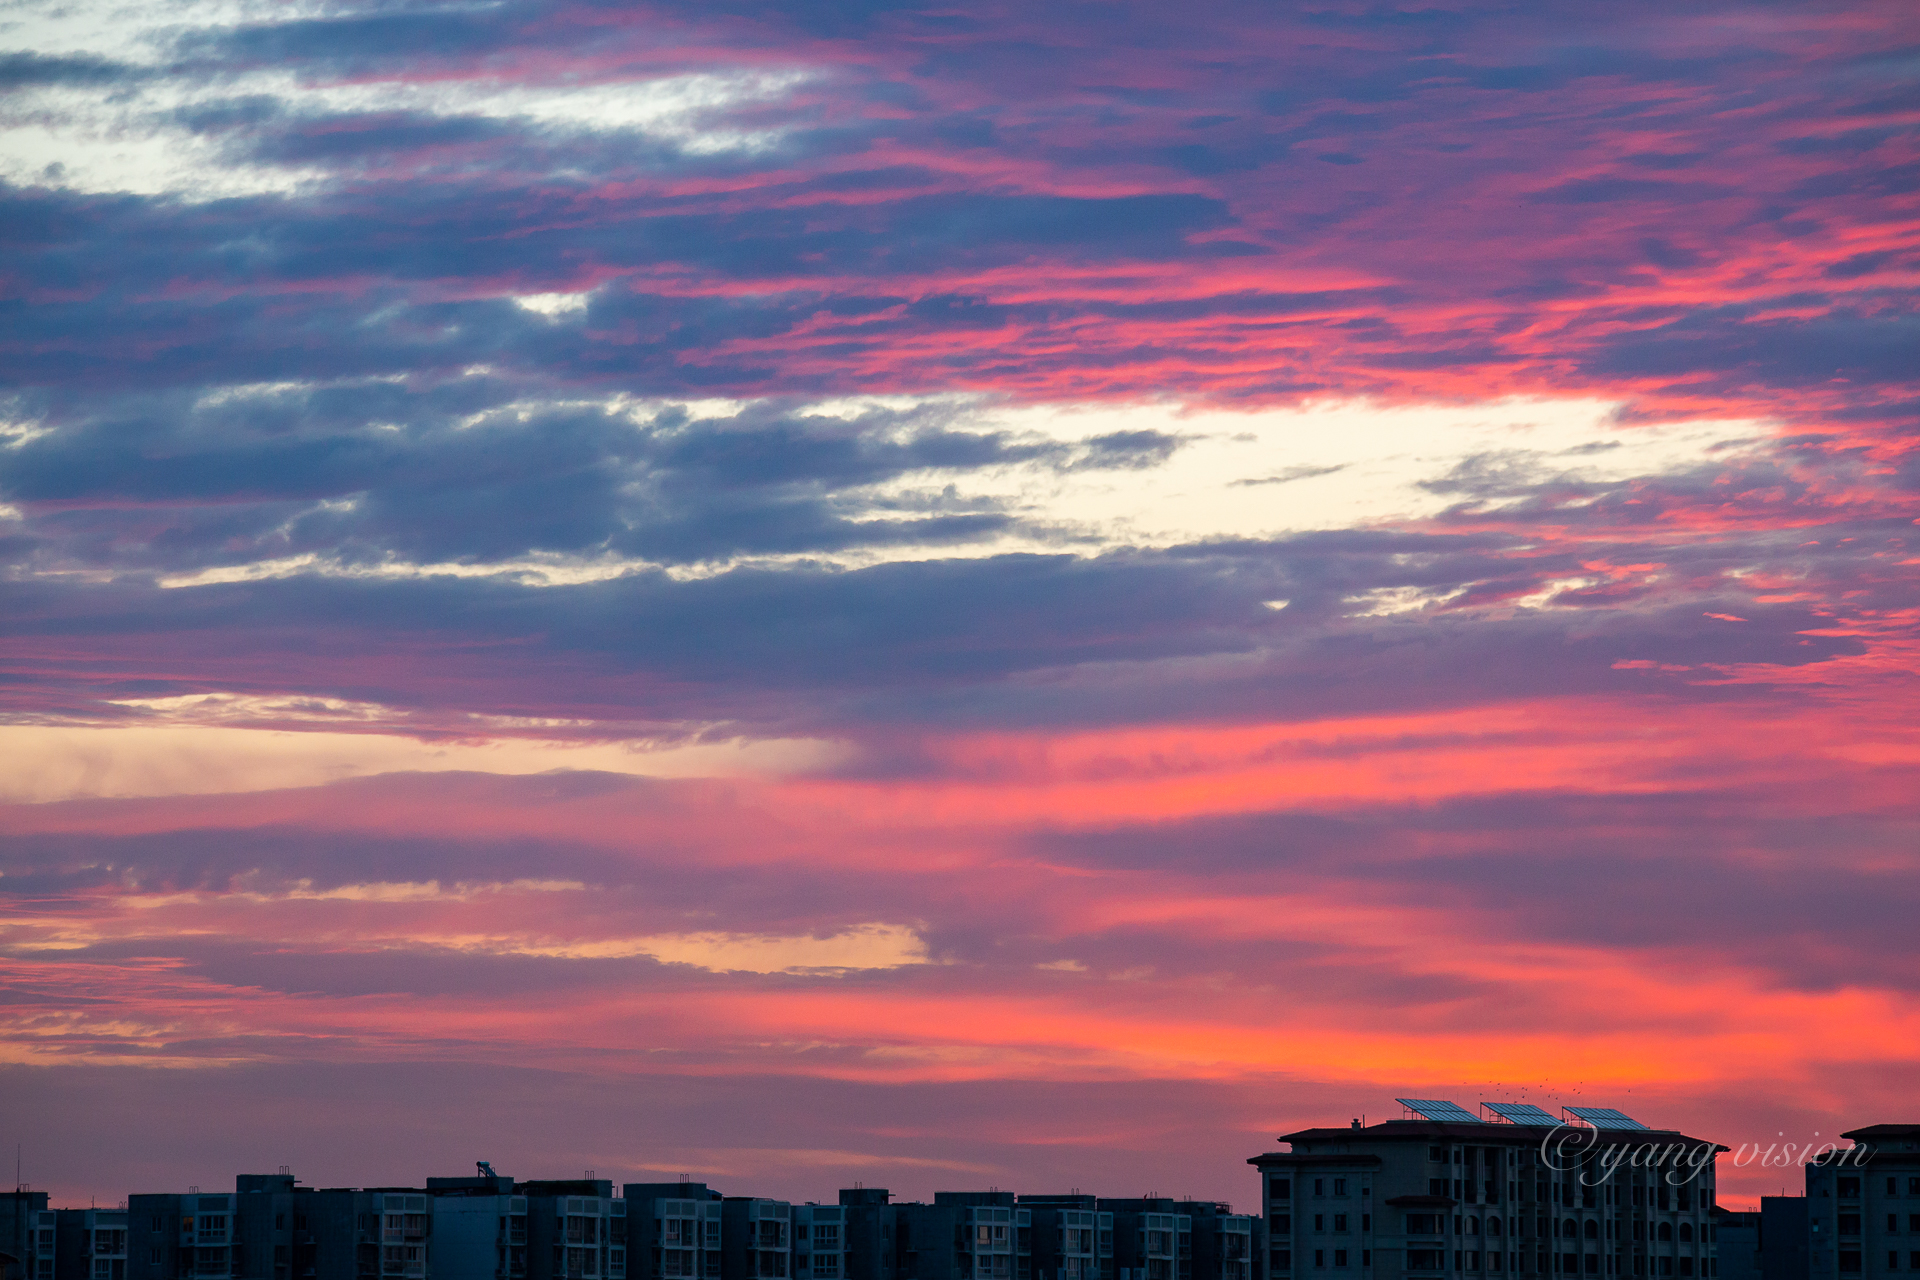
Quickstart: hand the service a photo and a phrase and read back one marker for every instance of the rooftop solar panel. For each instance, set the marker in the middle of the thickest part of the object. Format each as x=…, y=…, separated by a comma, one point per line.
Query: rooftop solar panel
x=1522, y=1113
x=1605, y=1118
x=1434, y=1109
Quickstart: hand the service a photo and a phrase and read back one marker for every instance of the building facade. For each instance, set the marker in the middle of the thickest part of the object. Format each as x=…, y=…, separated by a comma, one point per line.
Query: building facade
x=1863, y=1206
x=822, y=1245
x=29, y=1233
x=1066, y=1237
x=756, y=1238
x=1736, y=1244
x=479, y=1227
x=171, y=1236
x=962, y=1235
x=1783, y=1238
x=673, y=1230
x=90, y=1244
x=576, y=1230
x=1485, y=1201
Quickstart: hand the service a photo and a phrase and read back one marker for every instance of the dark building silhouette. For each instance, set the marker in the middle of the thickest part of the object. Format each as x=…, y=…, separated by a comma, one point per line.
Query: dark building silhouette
x=1783, y=1238
x=1863, y=1206
x=1208, y=1240
x=1452, y=1200
x=90, y=1244
x=27, y=1236
x=576, y=1227
x=1736, y=1239
x=488, y=1226
x=1063, y=1237
x=869, y=1254
x=962, y=1235
x=673, y=1231
x=756, y=1238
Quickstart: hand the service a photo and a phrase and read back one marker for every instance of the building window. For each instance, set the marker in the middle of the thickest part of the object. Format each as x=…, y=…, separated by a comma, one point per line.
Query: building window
x=1320, y=1258
x=1282, y=1259
x=1437, y=1154
x=1281, y=1189
x=1340, y=1222
x=1339, y=1257
x=1849, y=1188
x=1319, y=1186
x=1850, y=1262
x=1319, y=1222
x=1893, y=1259
x=1339, y=1186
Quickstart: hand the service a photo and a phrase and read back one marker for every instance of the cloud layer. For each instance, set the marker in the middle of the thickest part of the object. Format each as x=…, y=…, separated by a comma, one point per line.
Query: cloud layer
x=950, y=597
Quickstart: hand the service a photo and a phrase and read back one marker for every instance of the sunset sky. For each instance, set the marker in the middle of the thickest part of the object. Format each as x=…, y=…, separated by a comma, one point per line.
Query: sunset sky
x=1020, y=594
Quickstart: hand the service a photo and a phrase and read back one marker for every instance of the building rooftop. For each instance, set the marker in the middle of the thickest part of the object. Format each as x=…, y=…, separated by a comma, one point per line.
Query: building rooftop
x=1455, y=1131
x=1883, y=1132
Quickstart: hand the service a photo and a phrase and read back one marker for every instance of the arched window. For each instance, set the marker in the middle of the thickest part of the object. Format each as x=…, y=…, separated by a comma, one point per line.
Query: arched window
x=1493, y=1226
x=1473, y=1226
x=1666, y=1231
x=1686, y=1231
x=1593, y=1229
x=1570, y=1229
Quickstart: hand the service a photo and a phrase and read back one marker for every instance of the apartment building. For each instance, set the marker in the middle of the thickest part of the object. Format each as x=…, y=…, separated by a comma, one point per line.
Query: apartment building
x=1736, y=1244
x=869, y=1252
x=1461, y=1198
x=756, y=1238
x=90, y=1244
x=673, y=1231
x=28, y=1236
x=576, y=1230
x=822, y=1245
x=479, y=1227
x=1783, y=1238
x=962, y=1235
x=1863, y=1206
x=1159, y=1238
x=170, y=1236
x=1063, y=1237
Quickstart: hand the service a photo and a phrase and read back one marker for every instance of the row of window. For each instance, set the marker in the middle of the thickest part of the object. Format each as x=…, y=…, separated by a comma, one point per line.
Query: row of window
x=1568, y=1264
x=1850, y=1224
x=1435, y=1224
x=1849, y=1188
x=1850, y=1260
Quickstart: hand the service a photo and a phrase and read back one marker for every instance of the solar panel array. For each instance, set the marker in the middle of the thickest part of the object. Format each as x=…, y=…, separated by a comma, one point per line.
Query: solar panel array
x=1522, y=1113
x=1605, y=1118
x=1435, y=1109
